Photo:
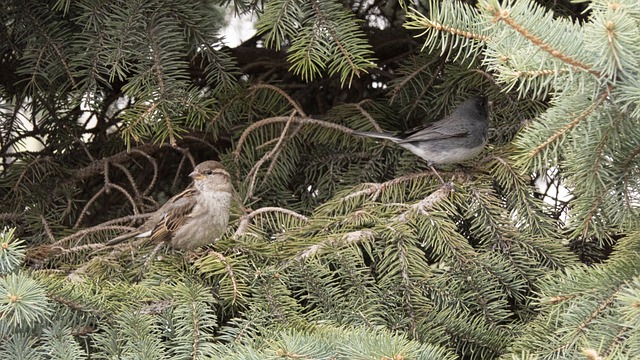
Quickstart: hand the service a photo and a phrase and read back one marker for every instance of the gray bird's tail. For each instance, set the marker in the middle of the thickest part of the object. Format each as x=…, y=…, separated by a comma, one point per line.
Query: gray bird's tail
x=377, y=135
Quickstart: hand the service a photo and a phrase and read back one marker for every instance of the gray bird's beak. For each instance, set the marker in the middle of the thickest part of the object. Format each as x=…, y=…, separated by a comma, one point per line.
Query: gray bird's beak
x=196, y=175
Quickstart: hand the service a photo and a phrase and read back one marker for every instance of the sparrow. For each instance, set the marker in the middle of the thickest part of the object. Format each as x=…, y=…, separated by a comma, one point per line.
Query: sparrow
x=454, y=139
x=197, y=216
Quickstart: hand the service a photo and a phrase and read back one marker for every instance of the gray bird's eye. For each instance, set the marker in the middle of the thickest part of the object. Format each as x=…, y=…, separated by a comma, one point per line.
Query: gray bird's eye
x=208, y=172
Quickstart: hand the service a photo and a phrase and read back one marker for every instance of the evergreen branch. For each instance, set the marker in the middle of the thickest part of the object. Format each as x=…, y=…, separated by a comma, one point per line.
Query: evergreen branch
x=618, y=340
x=504, y=15
x=452, y=27
x=413, y=75
x=195, y=333
x=23, y=174
x=368, y=116
x=245, y=220
x=55, y=48
x=13, y=217
x=539, y=73
x=353, y=237
x=81, y=248
x=186, y=155
x=236, y=293
x=87, y=205
x=590, y=217
x=375, y=189
x=601, y=99
x=170, y=130
x=126, y=194
x=337, y=40
x=627, y=171
x=595, y=314
x=423, y=206
x=422, y=22
x=406, y=283
x=278, y=20
x=108, y=185
x=140, y=119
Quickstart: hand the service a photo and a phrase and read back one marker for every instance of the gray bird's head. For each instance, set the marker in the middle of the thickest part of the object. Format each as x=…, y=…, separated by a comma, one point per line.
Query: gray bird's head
x=476, y=107
x=210, y=175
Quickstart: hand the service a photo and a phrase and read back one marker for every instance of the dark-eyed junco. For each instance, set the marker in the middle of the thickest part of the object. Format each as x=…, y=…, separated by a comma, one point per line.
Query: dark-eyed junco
x=452, y=140
x=195, y=217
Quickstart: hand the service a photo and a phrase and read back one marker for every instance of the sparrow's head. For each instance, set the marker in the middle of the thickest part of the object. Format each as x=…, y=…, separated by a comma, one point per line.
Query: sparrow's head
x=210, y=175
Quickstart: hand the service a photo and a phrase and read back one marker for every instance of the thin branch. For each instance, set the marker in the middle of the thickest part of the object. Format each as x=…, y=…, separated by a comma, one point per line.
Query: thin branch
x=256, y=167
x=285, y=119
x=245, y=220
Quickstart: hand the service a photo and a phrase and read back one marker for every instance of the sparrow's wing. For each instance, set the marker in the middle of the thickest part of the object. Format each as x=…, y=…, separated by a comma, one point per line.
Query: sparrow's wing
x=175, y=214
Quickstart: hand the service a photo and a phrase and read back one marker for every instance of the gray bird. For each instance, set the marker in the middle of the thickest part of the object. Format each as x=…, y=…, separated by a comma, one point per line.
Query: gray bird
x=195, y=217
x=452, y=140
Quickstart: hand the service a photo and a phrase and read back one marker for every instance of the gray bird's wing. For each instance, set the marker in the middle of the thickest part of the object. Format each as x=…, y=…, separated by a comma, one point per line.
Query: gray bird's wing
x=175, y=214
x=443, y=129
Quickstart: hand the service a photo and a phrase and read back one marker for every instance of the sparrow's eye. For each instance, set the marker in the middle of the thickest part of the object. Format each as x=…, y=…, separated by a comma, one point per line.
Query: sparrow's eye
x=208, y=172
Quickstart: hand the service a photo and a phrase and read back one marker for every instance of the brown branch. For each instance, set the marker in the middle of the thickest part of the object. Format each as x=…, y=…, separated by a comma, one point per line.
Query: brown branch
x=127, y=195
x=129, y=177
x=87, y=205
x=96, y=167
x=253, y=173
x=47, y=228
x=11, y=216
x=109, y=225
x=285, y=119
x=154, y=164
x=245, y=220
x=282, y=93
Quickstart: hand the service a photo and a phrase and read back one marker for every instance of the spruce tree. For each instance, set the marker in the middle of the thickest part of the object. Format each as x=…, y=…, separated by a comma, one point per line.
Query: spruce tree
x=339, y=247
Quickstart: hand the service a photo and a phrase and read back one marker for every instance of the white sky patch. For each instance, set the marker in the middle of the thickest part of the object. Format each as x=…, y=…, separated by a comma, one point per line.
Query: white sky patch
x=239, y=28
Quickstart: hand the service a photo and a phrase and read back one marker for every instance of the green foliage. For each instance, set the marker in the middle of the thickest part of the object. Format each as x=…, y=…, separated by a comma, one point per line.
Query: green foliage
x=323, y=36
x=339, y=247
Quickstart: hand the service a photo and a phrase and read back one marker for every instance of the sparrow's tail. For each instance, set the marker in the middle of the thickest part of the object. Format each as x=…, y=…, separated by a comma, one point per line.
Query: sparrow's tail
x=377, y=135
x=122, y=238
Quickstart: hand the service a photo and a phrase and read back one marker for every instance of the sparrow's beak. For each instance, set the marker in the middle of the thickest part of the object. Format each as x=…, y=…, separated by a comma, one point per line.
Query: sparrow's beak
x=196, y=175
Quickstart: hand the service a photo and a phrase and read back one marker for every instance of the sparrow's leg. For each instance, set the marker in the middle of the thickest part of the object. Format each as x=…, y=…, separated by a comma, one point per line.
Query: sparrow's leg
x=436, y=173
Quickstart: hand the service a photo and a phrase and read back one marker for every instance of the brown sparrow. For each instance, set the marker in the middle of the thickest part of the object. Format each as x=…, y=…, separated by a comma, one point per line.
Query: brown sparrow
x=195, y=217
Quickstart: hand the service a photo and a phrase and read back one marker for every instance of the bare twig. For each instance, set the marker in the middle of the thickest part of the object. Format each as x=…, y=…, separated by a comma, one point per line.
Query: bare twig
x=285, y=119
x=87, y=205
x=256, y=167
